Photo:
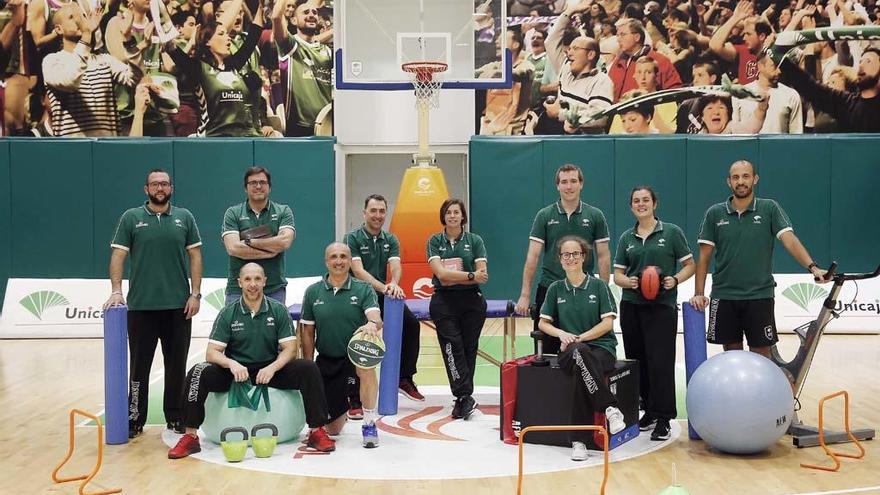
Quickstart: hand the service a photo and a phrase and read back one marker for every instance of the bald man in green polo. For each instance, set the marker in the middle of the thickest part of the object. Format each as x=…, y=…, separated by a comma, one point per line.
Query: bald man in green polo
x=740, y=233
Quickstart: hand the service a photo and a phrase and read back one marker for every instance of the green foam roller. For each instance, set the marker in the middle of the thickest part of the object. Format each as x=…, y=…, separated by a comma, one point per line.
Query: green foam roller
x=287, y=414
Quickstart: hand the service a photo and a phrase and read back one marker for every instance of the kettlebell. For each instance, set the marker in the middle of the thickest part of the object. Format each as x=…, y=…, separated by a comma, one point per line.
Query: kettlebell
x=234, y=450
x=264, y=446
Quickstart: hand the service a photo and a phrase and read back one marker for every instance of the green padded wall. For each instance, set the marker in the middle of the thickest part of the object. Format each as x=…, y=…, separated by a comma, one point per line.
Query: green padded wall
x=303, y=178
x=505, y=183
x=120, y=169
x=51, y=208
x=796, y=172
x=208, y=179
x=654, y=162
x=823, y=183
x=855, y=176
x=5, y=219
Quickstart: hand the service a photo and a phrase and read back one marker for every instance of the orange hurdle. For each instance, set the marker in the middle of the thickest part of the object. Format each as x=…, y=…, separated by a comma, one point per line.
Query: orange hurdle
x=528, y=429
x=835, y=455
x=86, y=477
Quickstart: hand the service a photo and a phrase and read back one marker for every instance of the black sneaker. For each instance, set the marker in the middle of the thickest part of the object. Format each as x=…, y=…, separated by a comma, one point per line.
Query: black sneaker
x=661, y=431
x=176, y=427
x=647, y=422
x=456, y=408
x=468, y=406
x=134, y=431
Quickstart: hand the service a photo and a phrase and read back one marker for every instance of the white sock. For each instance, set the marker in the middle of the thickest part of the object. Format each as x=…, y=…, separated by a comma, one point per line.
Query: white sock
x=370, y=416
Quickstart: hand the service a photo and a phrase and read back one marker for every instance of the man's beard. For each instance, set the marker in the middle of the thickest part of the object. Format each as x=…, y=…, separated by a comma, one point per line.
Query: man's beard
x=868, y=82
x=746, y=194
x=309, y=31
x=160, y=202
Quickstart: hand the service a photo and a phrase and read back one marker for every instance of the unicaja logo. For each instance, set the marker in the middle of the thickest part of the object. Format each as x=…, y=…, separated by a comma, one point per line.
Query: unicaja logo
x=804, y=293
x=217, y=299
x=38, y=302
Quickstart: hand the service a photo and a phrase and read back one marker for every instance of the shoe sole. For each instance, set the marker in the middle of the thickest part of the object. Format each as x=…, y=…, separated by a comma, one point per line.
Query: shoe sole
x=580, y=460
x=466, y=416
x=371, y=445
x=331, y=449
x=659, y=438
x=410, y=397
x=187, y=455
x=649, y=427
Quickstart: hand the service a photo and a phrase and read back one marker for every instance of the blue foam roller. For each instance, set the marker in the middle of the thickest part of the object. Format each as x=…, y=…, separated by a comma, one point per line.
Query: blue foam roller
x=694, y=346
x=116, y=375
x=389, y=373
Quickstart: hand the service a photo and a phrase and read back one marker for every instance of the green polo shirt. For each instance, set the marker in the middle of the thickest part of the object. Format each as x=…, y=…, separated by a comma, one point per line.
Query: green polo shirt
x=552, y=223
x=468, y=247
x=252, y=338
x=743, y=247
x=578, y=309
x=337, y=313
x=239, y=218
x=157, y=244
x=664, y=248
x=374, y=251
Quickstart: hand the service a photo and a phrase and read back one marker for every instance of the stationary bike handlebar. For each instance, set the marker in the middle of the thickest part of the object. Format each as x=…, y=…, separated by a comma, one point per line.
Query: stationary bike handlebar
x=857, y=276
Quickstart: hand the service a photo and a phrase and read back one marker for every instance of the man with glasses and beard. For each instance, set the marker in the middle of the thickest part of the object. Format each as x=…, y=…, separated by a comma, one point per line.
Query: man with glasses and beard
x=740, y=233
x=308, y=65
x=161, y=298
x=855, y=112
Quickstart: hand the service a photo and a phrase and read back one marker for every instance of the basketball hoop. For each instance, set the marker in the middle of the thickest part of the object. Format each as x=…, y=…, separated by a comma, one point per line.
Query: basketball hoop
x=427, y=81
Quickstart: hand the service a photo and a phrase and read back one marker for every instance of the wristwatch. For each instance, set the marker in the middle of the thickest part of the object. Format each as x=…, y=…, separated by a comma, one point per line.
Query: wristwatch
x=197, y=295
x=470, y=275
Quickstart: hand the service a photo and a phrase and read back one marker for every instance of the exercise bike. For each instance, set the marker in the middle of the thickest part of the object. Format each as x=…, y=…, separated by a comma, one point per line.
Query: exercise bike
x=797, y=368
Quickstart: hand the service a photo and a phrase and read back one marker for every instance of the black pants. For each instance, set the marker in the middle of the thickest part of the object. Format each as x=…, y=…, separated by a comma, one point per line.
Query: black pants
x=588, y=366
x=459, y=316
x=551, y=344
x=297, y=374
x=145, y=330
x=409, y=349
x=649, y=332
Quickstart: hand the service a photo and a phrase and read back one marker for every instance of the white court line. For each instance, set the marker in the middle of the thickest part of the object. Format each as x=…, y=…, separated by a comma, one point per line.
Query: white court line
x=849, y=490
x=158, y=374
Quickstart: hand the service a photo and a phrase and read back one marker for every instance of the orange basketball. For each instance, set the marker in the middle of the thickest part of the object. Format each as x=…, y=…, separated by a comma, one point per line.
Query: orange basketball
x=649, y=283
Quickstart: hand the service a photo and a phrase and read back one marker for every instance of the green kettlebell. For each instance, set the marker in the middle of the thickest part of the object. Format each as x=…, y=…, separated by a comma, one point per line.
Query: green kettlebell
x=234, y=450
x=264, y=446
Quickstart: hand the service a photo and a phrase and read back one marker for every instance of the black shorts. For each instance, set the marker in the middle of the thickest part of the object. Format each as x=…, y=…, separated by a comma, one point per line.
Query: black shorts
x=729, y=320
x=335, y=373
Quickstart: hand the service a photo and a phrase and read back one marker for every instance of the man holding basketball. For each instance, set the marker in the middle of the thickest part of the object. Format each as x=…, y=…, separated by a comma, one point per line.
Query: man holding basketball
x=740, y=233
x=243, y=346
x=568, y=216
x=333, y=311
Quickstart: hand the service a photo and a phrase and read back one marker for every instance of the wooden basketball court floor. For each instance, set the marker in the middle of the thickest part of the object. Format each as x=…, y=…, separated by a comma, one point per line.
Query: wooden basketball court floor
x=41, y=380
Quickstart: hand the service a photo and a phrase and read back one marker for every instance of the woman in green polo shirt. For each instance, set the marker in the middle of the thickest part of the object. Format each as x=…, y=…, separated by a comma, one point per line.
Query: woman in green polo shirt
x=225, y=85
x=650, y=327
x=458, y=260
x=579, y=311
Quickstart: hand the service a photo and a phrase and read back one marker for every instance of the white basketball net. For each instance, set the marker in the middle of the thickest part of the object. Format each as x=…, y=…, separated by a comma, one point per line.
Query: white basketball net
x=427, y=79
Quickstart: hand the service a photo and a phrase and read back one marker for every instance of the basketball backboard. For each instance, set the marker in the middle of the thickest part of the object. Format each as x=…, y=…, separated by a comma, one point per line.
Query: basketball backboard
x=375, y=37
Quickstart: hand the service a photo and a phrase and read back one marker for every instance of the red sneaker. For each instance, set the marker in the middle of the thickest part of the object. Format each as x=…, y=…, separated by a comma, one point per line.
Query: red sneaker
x=409, y=390
x=321, y=441
x=355, y=412
x=187, y=445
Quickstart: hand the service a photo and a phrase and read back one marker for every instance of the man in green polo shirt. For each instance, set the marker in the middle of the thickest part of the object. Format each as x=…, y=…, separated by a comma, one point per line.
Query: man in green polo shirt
x=568, y=216
x=333, y=310
x=161, y=299
x=244, y=346
x=740, y=232
x=267, y=250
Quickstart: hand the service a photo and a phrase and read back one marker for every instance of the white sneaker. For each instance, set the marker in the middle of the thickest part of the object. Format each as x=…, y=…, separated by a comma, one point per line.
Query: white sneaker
x=579, y=451
x=615, y=420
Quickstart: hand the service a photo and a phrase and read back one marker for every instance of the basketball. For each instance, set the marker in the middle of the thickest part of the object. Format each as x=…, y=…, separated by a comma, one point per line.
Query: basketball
x=365, y=351
x=649, y=283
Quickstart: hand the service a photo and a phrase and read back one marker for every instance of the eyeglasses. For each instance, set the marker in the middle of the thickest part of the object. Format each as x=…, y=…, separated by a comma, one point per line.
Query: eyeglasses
x=255, y=183
x=311, y=11
x=571, y=256
x=157, y=185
